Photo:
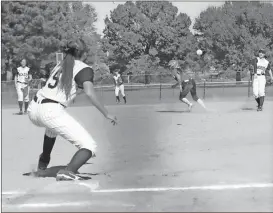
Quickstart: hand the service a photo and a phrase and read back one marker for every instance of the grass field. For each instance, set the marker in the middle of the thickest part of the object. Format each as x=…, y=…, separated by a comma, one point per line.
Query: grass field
x=158, y=158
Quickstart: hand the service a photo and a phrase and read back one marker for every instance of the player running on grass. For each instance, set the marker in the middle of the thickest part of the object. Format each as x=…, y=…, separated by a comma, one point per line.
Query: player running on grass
x=261, y=65
x=186, y=83
x=47, y=109
x=119, y=86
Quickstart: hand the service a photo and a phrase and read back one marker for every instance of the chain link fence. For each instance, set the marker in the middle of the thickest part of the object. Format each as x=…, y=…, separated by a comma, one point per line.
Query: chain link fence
x=145, y=88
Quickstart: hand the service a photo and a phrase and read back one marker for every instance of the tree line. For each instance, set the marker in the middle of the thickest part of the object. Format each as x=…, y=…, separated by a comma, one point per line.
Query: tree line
x=140, y=36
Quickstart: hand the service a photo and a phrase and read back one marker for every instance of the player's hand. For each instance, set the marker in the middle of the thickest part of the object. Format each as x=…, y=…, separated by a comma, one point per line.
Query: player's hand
x=113, y=119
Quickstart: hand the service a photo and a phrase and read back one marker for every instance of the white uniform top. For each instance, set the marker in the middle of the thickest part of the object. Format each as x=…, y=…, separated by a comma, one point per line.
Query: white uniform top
x=118, y=79
x=262, y=65
x=22, y=74
x=52, y=90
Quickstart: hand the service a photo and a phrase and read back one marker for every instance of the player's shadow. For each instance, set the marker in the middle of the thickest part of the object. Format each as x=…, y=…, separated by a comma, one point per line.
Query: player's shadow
x=248, y=109
x=52, y=172
x=17, y=113
x=173, y=111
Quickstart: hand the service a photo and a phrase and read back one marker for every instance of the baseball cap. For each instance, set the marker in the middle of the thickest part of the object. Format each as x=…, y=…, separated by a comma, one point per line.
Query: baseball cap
x=262, y=51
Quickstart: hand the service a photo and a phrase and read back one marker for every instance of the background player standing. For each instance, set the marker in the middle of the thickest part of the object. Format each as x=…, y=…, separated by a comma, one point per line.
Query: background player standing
x=261, y=65
x=186, y=83
x=119, y=86
x=22, y=78
x=47, y=109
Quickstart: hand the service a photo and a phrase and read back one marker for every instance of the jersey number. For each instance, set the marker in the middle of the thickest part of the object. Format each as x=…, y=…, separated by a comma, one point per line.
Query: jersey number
x=56, y=81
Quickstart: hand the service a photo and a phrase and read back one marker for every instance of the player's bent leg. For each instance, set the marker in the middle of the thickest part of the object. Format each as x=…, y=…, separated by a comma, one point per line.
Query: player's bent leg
x=20, y=98
x=66, y=126
x=261, y=91
x=70, y=172
x=186, y=101
x=201, y=102
x=255, y=86
x=48, y=144
x=117, y=94
x=123, y=93
x=183, y=94
x=33, y=114
x=26, y=99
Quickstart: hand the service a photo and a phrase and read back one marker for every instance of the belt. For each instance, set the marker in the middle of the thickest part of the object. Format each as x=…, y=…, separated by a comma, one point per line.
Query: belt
x=22, y=82
x=260, y=74
x=46, y=100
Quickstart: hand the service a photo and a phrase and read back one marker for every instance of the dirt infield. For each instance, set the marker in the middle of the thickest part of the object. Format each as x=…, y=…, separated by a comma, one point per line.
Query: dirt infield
x=159, y=158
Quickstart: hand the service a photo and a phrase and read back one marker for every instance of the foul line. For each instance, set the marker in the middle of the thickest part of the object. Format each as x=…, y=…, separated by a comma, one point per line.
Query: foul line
x=61, y=204
x=163, y=189
x=211, y=187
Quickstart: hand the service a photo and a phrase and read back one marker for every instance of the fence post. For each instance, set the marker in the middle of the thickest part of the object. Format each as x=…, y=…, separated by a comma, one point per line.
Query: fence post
x=160, y=87
x=223, y=86
x=131, y=86
x=248, y=88
x=204, y=95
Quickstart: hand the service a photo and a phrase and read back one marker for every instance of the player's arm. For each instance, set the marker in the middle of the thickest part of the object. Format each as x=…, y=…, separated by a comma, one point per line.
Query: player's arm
x=16, y=77
x=177, y=77
x=115, y=82
x=270, y=71
x=254, y=64
x=84, y=80
x=29, y=77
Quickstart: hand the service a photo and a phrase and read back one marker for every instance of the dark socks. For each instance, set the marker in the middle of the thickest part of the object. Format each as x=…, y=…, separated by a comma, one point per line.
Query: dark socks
x=79, y=159
x=258, y=101
x=48, y=146
x=20, y=105
x=124, y=98
x=261, y=101
x=26, y=106
x=117, y=98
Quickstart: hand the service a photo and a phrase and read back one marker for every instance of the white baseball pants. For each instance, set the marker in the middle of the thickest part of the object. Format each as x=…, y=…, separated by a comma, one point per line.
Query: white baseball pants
x=57, y=121
x=259, y=86
x=121, y=89
x=22, y=92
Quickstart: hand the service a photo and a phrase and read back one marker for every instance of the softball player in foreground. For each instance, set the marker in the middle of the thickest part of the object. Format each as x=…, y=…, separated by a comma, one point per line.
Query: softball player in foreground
x=187, y=84
x=119, y=86
x=22, y=78
x=261, y=65
x=47, y=109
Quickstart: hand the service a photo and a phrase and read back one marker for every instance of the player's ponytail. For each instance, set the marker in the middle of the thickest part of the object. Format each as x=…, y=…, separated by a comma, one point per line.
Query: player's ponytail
x=67, y=74
x=72, y=49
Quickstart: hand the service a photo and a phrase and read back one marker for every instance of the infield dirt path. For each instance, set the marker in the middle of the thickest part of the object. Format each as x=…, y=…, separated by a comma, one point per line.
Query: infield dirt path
x=151, y=161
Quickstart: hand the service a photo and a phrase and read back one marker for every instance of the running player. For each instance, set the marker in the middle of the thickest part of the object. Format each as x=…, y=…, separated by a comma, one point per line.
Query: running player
x=47, y=109
x=119, y=86
x=22, y=79
x=261, y=65
x=186, y=83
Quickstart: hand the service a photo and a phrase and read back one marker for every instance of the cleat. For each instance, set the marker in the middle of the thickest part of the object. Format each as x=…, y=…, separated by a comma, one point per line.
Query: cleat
x=65, y=175
x=25, y=112
x=190, y=107
x=43, y=162
x=260, y=109
x=20, y=113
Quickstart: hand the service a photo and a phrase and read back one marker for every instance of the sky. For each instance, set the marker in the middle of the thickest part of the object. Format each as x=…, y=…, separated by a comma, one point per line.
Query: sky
x=192, y=9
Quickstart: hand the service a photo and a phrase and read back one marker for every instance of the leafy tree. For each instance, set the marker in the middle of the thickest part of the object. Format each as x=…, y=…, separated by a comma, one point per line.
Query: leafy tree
x=36, y=30
x=234, y=32
x=146, y=35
